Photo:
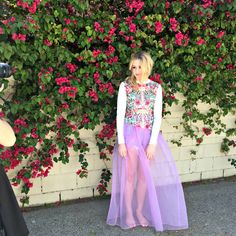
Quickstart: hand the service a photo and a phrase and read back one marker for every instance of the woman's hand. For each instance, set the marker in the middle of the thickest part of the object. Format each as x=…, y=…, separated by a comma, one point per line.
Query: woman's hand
x=150, y=151
x=122, y=150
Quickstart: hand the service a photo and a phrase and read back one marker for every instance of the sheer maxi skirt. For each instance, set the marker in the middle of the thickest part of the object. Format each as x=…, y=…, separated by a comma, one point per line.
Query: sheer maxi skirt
x=146, y=192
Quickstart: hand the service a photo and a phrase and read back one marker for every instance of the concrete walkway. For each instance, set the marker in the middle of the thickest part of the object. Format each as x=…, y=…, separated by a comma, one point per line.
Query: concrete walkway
x=211, y=210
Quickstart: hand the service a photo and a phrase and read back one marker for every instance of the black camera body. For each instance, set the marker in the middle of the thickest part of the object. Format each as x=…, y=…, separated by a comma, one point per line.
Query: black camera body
x=5, y=70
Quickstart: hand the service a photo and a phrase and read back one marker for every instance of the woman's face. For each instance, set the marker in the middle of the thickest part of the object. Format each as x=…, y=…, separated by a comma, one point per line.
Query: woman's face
x=136, y=69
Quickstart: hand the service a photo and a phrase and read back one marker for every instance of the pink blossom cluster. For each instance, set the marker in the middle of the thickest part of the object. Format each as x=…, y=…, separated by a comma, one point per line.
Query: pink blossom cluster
x=82, y=172
x=158, y=27
x=18, y=123
x=45, y=72
x=71, y=91
x=85, y=119
x=63, y=106
x=200, y=41
x=181, y=39
x=107, y=131
x=47, y=42
x=112, y=60
x=107, y=86
x=136, y=5
x=127, y=38
x=198, y=78
x=96, y=52
x=2, y=114
x=25, y=5
x=174, y=24
x=21, y=37
x=206, y=131
x=72, y=67
x=69, y=142
x=34, y=134
x=61, y=80
x=38, y=165
x=156, y=78
x=207, y=3
x=110, y=50
x=93, y=94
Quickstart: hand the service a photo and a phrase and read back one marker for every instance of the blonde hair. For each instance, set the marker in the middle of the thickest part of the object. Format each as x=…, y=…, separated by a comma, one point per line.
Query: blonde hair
x=146, y=66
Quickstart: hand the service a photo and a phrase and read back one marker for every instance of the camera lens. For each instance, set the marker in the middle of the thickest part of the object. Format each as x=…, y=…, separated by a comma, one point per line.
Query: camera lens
x=5, y=70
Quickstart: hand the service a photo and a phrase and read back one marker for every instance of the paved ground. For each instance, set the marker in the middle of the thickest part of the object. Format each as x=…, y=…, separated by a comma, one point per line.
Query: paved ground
x=211, y=211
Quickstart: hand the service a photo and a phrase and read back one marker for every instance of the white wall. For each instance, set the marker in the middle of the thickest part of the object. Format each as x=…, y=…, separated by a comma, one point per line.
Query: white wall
x=63, y=184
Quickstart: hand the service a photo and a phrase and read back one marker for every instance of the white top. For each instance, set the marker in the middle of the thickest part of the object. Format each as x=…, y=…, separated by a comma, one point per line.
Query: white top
x=121, y=110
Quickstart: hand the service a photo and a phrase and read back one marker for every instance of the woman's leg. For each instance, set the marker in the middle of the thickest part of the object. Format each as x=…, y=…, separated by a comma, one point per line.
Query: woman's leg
x=130, y=184
x=141, y=194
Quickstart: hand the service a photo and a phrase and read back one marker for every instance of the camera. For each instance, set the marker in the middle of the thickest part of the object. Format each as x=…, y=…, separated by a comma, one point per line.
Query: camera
x=5, y=70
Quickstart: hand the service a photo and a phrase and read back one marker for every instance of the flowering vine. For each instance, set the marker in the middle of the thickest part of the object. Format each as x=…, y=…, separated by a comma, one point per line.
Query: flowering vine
x=68, y=66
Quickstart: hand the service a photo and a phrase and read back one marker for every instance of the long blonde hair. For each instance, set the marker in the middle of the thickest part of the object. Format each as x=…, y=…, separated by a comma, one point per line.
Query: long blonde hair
x=146, y=66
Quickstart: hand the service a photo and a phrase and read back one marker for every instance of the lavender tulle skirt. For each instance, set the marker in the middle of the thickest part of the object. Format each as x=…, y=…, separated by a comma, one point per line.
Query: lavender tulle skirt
x=146, y=192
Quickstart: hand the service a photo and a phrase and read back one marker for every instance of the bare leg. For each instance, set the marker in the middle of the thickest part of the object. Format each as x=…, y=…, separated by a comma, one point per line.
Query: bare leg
x=141, y=194
x=130, y=184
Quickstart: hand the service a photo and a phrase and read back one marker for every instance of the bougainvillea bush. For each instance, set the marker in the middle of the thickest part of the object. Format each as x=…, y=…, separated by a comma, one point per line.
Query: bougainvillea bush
x=69, y=57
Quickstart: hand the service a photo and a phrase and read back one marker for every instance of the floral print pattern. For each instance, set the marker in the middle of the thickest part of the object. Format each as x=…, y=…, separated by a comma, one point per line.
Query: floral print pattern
x=140, y=104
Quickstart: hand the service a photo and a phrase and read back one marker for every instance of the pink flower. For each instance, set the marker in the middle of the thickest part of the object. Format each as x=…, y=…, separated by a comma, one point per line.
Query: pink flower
x=199, y=140
x=134, y=4
x=189, y=113
x=13, y=19
x=96, y=75
x=133, y=45
x=207, y=3
x=93, y=95
x=1, y=31
x=61, y=80
x=167, y=5
x=163, y=42
x=67, y=21
x=5, y=22
x=101, y=30
x=96, y=26
x=198, y=78
x=230, y=66
x=112, y=60
x=85, y=119
x=32, y=9
x=200, y=41
x=112, y=31
x=228, y=15
x=206, y=131
x=110, y=89
x=21, y=37
x=72, y=67
x=220, y=34
x=158, y=27
x=220, y=60
x=218, y=45
x=156, y=78
x=179, y=37
x=96, y=53
x=174, y=24
x=110, y=50
x=47, y=42
x=132, y=28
